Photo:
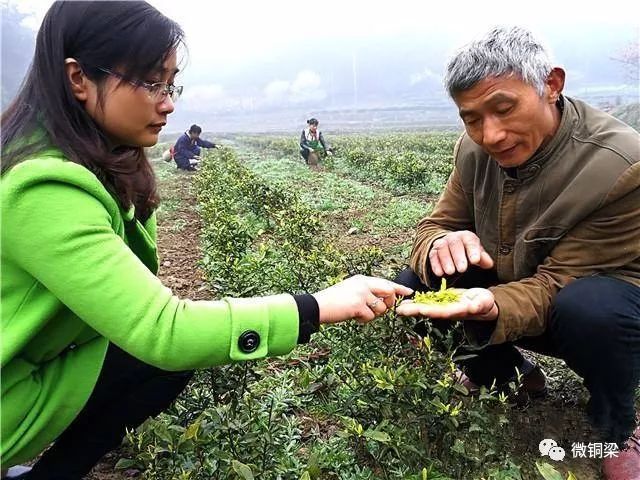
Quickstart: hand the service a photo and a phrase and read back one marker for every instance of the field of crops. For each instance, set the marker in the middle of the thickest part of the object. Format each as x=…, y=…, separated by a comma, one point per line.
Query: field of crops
x=358, y=402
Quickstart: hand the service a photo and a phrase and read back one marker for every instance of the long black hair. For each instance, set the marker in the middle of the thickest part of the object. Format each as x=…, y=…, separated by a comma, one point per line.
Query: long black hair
x=131, y=36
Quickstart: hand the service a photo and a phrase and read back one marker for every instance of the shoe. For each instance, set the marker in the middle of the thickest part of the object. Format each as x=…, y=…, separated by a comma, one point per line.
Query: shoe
x=534, y=384
x=16, y=473
x=626, y=465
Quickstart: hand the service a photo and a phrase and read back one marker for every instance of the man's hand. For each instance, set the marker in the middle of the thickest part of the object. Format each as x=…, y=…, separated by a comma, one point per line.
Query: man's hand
x=474, y=304
x=455, y=251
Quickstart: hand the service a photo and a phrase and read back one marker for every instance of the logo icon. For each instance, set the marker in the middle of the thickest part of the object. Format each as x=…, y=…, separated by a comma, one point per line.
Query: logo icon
x=556, y=453
x=549, y=447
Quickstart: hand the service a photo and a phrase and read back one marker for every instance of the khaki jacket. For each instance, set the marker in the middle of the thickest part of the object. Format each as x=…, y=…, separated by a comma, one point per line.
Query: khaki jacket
x=572, y=210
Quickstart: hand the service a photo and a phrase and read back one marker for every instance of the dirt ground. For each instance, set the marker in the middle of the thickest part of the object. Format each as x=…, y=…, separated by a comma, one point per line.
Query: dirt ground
x=179, y=252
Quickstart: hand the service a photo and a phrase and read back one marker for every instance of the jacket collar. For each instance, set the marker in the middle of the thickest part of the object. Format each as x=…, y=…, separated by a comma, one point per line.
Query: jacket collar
x=533, y=166
x=309, y=136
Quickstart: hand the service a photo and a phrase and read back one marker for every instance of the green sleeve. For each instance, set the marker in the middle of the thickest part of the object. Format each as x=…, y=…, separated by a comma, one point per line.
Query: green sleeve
x=65, y=238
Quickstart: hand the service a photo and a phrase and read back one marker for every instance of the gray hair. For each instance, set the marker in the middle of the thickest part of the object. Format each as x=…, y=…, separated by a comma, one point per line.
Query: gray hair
x=503, y=51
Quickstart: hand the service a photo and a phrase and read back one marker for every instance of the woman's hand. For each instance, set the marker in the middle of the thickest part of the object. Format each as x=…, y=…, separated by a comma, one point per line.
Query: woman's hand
x=474, y=304
x=359, y=297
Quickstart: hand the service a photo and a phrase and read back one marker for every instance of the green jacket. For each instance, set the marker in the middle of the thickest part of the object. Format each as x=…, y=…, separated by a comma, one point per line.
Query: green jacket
x=74, y=279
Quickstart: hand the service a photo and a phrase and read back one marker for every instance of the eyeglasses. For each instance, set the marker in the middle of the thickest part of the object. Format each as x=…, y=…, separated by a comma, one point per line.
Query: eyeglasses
x=157, y=92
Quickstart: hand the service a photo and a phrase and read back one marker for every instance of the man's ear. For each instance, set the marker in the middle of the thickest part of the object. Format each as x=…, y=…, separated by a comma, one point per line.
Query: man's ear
x=78, y=81
x=555, y=84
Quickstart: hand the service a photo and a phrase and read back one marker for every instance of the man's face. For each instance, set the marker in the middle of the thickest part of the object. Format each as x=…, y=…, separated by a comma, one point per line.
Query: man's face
x=194, y=135
x=507, y=117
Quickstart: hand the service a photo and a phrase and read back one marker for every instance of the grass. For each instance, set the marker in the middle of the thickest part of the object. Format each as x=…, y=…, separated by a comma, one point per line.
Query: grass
x=326, y=192
x=170, y=181
x=397, y=214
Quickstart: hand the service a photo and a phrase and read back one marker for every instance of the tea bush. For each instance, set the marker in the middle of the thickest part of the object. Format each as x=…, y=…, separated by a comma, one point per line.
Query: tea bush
x=369, y=401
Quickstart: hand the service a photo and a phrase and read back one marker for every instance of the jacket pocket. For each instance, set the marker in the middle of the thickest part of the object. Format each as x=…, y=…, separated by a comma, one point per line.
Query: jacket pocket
x=536, y=246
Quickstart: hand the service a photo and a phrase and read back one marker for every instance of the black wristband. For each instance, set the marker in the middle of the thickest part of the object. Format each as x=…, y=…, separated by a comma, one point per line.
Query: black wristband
x=308, y=315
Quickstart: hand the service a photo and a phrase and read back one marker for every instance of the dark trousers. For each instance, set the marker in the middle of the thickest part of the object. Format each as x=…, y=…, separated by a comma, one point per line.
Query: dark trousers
x=128, y=391
x=184, y=164
x=593, y=325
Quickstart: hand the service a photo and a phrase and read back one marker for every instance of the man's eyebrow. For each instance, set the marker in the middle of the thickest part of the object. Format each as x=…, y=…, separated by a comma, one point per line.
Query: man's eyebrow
x=500, y=97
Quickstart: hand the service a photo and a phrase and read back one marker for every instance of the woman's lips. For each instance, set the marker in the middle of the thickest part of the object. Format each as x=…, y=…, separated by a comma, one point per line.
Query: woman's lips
x=156, y=127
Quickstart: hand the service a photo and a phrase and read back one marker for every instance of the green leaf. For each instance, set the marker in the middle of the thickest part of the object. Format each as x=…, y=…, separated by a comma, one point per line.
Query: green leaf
x=458, y=447
x=305, y=476
x=162, y=432
x=192, y=430
x=487, y=397
x=571, y=476
x=313, y=465
x=461, y=388
x=460, y=358
x=548, y=472
x=475, y=428
x=124, y=463
x=377, y=435
x=242, y=470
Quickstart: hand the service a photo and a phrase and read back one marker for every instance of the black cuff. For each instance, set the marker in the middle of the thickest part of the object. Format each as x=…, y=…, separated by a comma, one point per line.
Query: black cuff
x=308, y=315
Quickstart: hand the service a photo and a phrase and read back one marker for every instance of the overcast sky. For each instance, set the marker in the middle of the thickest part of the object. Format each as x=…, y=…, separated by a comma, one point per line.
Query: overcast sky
x=244, y=54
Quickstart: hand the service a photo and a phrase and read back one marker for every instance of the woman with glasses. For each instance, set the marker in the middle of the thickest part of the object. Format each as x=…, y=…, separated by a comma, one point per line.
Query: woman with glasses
x=92, y=343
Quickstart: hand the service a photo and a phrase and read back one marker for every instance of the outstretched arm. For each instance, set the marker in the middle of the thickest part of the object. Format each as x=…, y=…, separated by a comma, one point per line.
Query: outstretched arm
x=323, y=143
x=205, y=143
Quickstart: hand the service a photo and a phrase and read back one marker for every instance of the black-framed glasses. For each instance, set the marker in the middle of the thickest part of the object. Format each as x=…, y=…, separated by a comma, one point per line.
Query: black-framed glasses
x=157, y=92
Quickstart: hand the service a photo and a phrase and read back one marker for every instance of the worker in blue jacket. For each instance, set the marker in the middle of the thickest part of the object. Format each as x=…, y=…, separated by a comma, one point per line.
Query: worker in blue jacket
x=187, y=148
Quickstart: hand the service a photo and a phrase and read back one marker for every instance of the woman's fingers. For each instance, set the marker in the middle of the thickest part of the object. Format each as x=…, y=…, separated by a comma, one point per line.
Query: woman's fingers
x=386, y=293
x=360, y=297
x=365, y=315
x=377, y=305
x=385, y=288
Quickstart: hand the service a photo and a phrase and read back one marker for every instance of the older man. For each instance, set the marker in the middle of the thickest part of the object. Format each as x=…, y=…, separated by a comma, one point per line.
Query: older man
x=541, y=215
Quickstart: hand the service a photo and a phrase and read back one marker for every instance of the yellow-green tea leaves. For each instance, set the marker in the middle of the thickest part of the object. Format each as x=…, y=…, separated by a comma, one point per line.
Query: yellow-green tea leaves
x=442, y=296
